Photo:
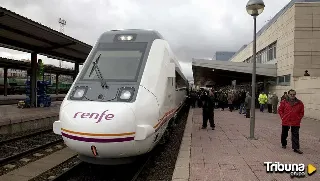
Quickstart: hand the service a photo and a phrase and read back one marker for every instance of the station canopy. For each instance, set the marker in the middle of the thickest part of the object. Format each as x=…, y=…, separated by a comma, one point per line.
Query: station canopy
x=215, y=72
x=22, y=34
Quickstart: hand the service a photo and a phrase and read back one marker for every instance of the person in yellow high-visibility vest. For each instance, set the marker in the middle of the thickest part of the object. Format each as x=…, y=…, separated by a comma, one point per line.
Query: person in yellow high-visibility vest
x=40, y=70
x=263, y=99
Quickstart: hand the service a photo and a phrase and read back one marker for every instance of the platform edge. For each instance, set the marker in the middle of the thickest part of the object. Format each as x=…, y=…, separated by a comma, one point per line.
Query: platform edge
x=182, y=166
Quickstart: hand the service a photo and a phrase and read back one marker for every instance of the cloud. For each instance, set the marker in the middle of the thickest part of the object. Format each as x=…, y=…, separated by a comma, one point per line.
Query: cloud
x=186, y=69
x=193, y=28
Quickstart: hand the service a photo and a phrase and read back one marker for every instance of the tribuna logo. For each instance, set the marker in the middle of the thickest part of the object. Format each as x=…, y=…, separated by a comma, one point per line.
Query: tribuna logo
x=295, y=170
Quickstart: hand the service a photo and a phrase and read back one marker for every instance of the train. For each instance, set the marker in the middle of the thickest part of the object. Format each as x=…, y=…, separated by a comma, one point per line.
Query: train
x=122, y=101
x=17, y=86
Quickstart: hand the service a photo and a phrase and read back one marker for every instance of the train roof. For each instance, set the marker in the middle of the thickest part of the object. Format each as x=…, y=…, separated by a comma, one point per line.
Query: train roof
x=151, y=34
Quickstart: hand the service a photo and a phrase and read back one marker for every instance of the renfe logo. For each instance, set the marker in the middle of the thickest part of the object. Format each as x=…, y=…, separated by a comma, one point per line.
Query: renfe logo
x=95, y=115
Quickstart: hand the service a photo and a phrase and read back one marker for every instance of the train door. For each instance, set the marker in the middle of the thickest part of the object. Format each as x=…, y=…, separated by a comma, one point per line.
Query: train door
x=172, y=91
x=168, y=94
x=169, y=88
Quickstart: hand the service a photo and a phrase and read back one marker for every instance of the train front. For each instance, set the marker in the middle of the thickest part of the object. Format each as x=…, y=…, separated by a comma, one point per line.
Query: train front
x=97, y=117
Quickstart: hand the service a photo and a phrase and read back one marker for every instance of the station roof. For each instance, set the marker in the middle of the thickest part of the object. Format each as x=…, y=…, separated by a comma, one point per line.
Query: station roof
x=16, y=64
x=23, y=34
x=262, y=69
x=223, y=72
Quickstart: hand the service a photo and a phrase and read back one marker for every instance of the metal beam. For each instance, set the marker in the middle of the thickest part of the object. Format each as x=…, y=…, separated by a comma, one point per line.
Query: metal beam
x=17, y=44
x=59, y=46
x=40, y=26
x=7, y=28
x=10, y=29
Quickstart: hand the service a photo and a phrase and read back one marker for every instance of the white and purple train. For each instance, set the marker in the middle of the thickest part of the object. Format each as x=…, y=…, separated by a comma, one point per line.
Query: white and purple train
x=121, y=102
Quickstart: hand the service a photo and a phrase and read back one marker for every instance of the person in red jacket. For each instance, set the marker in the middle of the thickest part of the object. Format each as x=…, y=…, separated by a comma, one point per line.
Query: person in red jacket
x=291, y=111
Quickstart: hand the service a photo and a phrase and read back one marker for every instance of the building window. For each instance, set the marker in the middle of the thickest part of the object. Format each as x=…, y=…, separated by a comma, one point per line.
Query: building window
x=270, y=54
x=284, y=80
x=287, y=78
x=263, y=52
x=274, y=51
x=267, y=54
x=259, y=58
x=281, y=79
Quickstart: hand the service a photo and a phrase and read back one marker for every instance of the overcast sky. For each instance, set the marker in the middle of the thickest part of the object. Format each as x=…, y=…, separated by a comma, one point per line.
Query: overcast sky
x=194, y=28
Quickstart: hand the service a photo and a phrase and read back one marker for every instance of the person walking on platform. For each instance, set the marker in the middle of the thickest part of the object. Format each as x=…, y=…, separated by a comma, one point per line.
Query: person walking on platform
x=193, y=99
x=284, y=96
x=269, y=102
x=291, y=111
x=223, y=100
x=262, y=101
x=231, y=100
x=242, y=98
x=207, y=110
x=247, y=104
x=275, y=101
x=199, y=99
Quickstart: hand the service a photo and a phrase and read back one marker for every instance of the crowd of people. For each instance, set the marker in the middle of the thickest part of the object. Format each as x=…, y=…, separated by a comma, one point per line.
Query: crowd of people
x=291, y=109
x=225, y=98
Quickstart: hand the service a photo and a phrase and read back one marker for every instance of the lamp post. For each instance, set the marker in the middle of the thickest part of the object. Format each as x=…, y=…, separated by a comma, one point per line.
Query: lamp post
x=254, y=8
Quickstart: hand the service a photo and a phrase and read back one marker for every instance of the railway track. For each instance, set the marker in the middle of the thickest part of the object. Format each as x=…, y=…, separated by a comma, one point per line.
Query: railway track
x=136, y=176
x=28, y=148
x=9, y=159
x=67, y=172
x=15, y=138
x=74, y=169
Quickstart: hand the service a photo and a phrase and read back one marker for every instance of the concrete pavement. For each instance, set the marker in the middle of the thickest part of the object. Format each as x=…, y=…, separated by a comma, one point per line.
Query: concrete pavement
x=226, y=154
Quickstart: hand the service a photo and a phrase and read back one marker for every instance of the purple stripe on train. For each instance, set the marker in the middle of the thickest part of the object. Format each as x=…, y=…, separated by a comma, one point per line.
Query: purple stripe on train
x=97, y=140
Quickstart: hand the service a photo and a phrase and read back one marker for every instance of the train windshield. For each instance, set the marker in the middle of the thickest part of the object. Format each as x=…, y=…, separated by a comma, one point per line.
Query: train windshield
x=115, y=62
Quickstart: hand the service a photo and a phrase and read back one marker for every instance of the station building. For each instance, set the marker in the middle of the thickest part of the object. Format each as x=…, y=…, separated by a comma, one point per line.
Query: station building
x=223, y=55
x=287, y=46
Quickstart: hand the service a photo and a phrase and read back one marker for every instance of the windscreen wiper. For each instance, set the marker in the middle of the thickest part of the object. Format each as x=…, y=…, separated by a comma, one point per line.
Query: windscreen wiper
x=95, y=64
x=98, y=73
x=103, y=82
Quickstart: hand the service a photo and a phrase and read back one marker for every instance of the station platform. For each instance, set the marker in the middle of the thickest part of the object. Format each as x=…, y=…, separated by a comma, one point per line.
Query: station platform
x=226, y=153
x=14, y=120
x=14, y=99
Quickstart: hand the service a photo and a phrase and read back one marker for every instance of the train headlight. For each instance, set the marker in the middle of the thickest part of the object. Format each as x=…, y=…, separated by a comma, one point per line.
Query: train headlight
x=125, y=38
x=79, y=92
x=125, y=94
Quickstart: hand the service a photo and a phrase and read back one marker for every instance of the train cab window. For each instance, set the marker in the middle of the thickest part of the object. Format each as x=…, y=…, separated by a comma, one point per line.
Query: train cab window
x=115, y=62
x=180, y=83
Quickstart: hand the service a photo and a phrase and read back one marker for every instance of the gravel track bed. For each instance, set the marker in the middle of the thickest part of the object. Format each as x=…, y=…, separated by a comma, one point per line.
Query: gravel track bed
x=87, y=172
x=59, y=169
x=162, y=164
x=31, y=158
x=21, y=145
x=24, y=133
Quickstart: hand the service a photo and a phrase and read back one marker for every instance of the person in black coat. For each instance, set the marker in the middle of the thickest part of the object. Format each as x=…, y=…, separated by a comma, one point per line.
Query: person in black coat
x=242, y=97
x=207, y=109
